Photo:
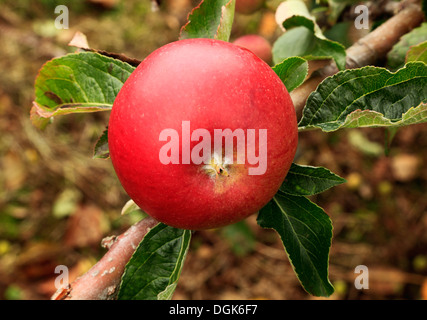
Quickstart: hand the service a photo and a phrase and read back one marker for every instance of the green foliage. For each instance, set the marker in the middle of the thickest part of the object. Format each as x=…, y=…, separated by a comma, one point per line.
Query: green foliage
x=210, y=19
x=336, y=7
x=305, y=229
x=292, y=71
x=301, y=21
x=75, y=83
x=339, y=33
x=368, y=97
x=153, y=271
x=397, y=56
x=307, y=180
x=306, y=233
x=417, y=53
x=301, y=39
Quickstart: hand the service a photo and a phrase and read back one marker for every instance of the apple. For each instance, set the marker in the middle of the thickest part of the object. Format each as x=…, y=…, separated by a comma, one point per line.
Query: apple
x=248, y=6
x=202, y=134
x=257, y=44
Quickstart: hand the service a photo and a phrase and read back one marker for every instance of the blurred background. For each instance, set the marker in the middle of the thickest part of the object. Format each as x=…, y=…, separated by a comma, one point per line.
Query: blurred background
x=57, y=203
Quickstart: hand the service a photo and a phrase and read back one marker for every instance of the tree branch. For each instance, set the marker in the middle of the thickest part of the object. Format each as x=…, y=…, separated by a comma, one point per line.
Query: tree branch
x=103, y=279
x=366, y=51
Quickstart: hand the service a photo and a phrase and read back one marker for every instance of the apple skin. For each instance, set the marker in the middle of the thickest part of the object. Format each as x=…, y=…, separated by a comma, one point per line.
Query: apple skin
x=257, y=44
x=248, y=6
x=214, y=85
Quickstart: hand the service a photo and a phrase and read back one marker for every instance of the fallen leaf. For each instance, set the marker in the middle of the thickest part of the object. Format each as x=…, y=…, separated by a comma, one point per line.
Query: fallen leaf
x=84, y=227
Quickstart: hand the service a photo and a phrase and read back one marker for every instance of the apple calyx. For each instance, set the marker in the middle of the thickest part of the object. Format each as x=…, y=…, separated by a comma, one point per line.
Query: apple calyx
x=217, y=168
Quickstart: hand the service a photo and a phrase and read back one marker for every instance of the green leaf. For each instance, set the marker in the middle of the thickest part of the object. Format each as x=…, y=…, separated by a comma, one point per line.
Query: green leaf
x=369, y=118
x=397, y=55
x=75, y=83
x=306, y=232
x=368, y=97
x=226, y=22
x=154, y=269
x=292, y=71
x=210, y=19
x=301, y=41
x=294, y=13
x=299, y=21
x=307, y=180
x=303, y=21
x=339, y=32
x=101, y=150
x=417, y=53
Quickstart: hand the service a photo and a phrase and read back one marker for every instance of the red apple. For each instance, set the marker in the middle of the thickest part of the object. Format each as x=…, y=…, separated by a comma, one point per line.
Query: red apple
x=257, y=44
x=166, y=134
x=248, y=6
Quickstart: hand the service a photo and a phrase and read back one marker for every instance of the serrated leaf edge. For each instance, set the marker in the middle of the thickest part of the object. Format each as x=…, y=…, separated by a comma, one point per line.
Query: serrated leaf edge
x=310, y=126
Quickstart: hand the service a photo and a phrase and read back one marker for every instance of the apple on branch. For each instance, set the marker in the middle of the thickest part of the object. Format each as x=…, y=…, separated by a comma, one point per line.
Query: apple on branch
x=202, y=134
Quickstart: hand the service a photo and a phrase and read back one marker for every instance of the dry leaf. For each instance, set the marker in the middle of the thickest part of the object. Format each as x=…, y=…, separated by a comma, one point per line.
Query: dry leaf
x=79, y=41
x=84, y=227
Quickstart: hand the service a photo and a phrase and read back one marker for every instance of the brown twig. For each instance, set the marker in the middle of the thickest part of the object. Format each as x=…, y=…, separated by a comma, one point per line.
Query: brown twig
x=102, y=280
x=366, y=51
